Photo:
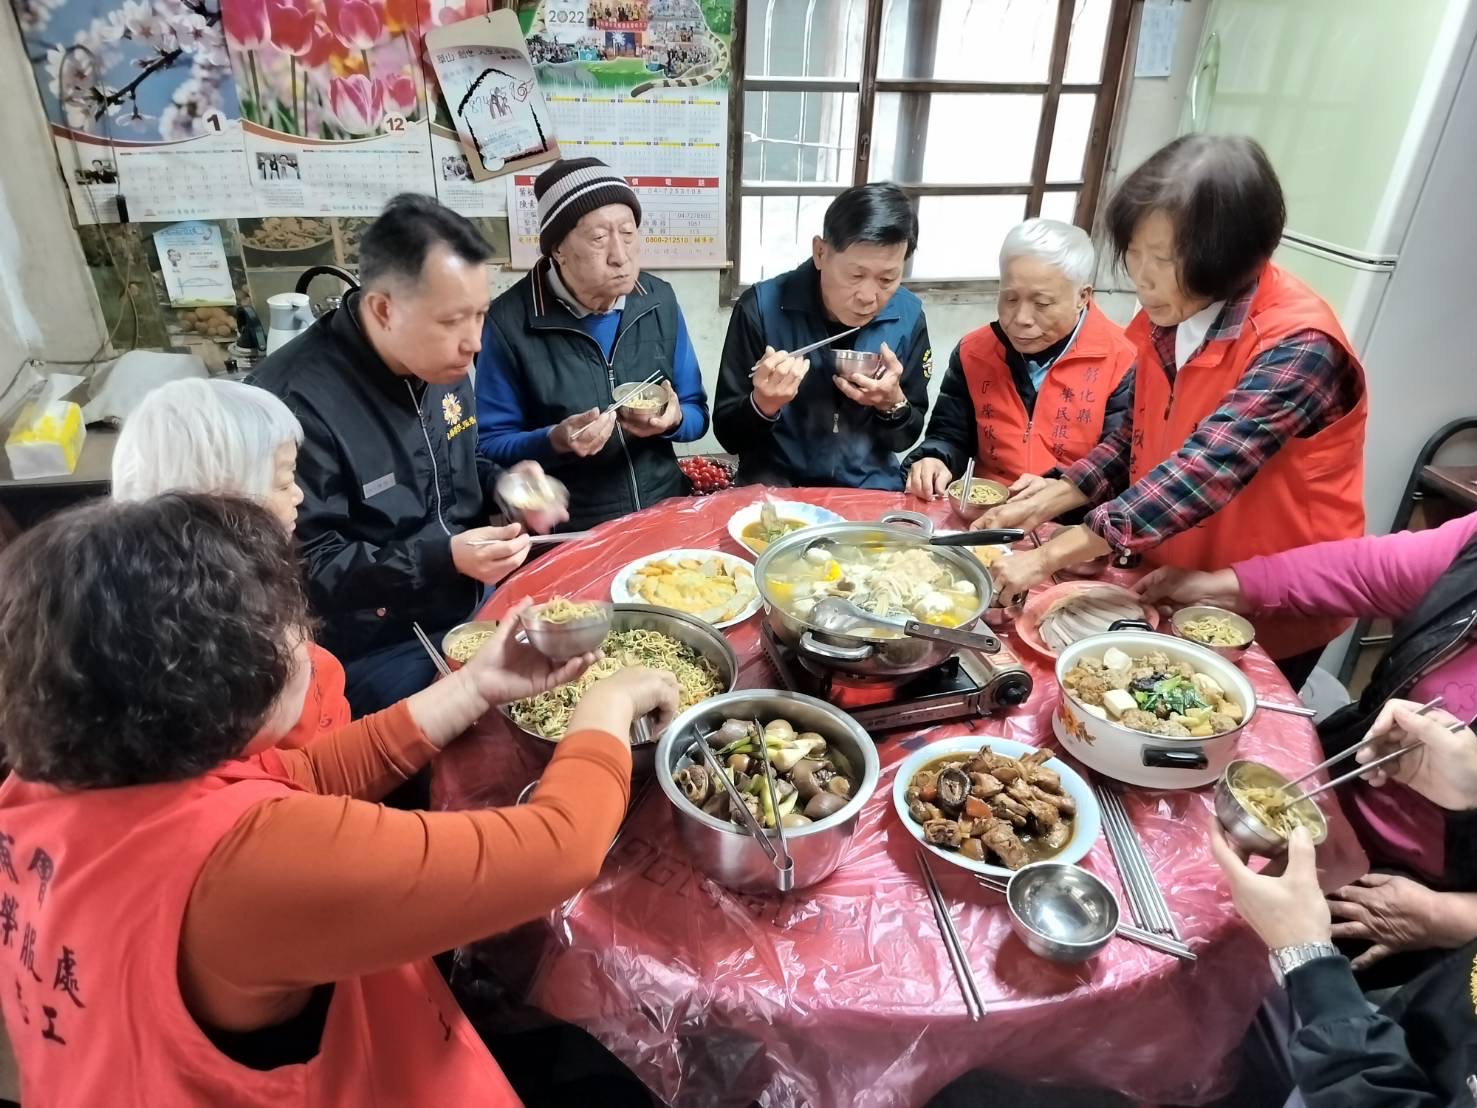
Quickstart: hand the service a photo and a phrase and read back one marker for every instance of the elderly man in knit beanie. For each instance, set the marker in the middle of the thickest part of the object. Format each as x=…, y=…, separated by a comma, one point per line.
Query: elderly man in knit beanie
x=584, y=321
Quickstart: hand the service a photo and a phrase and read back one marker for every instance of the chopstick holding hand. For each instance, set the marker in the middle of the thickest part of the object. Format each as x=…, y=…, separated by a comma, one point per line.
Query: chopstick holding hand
x=776, y=380
x=488, y=554
x=884, y=393
x=1443, y=768
x=569, y=436
x=1286, y=910
x=1181, y=586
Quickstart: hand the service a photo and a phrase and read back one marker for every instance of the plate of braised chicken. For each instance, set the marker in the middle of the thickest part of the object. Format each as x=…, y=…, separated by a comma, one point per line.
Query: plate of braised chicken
x=994, y=805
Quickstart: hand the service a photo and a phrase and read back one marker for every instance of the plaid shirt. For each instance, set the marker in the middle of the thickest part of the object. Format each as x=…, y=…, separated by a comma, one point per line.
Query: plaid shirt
x=1295, y=389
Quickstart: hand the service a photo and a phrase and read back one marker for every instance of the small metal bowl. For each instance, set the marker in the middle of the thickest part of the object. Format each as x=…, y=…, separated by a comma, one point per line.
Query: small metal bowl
x=1060, y=911
x=462, y=631
x=535, y=500
x=973, y=510
x=639, y=399
x=561, y=641
x=1197, y=611
x=864, y=362
x=1247, y=829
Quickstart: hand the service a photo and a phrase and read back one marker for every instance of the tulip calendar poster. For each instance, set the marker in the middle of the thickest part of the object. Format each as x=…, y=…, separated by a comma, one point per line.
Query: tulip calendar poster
x=198, y=109
x=212, y=109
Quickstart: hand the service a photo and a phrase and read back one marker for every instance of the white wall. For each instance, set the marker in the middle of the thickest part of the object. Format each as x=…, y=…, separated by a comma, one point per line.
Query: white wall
x=48, y=307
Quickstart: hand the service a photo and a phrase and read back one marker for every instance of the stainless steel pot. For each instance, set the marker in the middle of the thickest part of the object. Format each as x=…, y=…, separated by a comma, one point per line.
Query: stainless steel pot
x=726, y=852
x=689, y=630
x=858, y=654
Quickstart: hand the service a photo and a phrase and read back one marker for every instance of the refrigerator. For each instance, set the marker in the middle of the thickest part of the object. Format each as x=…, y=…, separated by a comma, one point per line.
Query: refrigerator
x=1368, y=111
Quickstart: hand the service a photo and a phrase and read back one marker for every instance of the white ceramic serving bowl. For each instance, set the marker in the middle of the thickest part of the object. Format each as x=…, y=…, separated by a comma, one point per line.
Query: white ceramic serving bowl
x=1136, y=758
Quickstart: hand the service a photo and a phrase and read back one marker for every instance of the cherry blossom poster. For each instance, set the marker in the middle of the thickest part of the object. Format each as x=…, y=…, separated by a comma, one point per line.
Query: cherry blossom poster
x=142, y=106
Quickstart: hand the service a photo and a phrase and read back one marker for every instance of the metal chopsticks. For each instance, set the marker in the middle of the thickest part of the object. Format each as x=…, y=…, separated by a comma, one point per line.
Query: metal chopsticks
x=785, y=867
x=1360, y=771
x=537, y=540
x=1145, y=898
x=1434, y=702
x=966, y=485
x=436, y=659
x=771, y=784
x=968, y=986
x=615, y=404
x=814, y=346
x=1165, y=945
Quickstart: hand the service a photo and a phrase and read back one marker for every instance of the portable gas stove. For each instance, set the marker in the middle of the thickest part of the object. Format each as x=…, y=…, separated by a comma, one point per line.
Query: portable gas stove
x=969, y=685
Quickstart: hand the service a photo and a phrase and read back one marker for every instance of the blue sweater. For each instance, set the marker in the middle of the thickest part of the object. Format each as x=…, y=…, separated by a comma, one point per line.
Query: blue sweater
x=503, y=432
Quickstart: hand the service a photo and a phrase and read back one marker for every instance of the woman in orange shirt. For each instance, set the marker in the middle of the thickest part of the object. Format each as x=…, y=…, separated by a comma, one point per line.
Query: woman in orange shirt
x=225, y=437
x=202, y=917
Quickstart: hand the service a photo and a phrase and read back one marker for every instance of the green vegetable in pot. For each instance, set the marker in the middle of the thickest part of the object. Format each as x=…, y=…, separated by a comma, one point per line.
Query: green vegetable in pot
x=1166, y=696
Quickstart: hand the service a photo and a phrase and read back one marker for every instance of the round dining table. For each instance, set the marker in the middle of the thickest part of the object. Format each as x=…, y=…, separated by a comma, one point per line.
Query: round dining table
x=843, y=993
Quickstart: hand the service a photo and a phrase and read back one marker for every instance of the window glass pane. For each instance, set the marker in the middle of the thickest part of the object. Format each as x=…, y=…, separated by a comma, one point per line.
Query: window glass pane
x=965, y=138
x=805, y=38
x=967, y=40
x=799, y=137
x=960, y=236
x=1069, y=140
x=1089, y=37
x=776, y=233
x=1059, y=205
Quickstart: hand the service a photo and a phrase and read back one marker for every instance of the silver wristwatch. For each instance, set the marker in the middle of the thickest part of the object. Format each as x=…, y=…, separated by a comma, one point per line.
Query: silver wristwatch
x=897, y=409
x=1285, y=959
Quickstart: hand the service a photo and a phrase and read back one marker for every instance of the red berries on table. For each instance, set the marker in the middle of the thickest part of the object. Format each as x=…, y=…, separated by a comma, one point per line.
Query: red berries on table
x=706, y=474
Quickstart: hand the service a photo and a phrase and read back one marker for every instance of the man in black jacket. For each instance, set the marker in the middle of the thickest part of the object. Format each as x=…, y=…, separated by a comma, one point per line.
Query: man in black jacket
x=1418, y=1049
x=396, y=501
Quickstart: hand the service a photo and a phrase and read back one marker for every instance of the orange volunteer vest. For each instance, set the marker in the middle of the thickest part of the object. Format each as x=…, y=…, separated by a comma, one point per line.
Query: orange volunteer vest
x=93, y=889
x=1070, y=405
x=1311, y=491
x=325, y=708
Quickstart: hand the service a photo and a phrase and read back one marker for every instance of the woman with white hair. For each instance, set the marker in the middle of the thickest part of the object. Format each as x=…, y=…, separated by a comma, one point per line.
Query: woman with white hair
x=225, y=437
x=1040, y=387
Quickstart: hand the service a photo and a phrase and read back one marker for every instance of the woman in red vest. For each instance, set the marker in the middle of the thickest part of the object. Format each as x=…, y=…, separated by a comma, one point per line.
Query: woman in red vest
x=198, y=916
x=1247, y=435
x=1042, y=386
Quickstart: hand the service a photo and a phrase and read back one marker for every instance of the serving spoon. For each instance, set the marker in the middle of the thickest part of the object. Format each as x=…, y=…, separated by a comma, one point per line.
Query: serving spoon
x=995, y=537
x=839, y=616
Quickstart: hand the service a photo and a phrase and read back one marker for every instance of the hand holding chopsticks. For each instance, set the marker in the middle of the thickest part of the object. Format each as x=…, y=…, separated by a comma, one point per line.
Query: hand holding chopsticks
x=1397, y=716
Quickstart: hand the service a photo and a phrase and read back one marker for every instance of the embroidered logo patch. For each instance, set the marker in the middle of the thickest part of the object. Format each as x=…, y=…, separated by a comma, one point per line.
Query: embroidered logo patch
x=451, y=409
x=927, y=364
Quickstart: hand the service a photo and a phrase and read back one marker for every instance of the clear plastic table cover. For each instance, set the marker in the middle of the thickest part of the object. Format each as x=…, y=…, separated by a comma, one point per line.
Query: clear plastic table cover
x=843, y=994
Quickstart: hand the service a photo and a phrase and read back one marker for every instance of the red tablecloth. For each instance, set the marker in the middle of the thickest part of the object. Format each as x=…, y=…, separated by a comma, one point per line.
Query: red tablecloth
x=843, y=994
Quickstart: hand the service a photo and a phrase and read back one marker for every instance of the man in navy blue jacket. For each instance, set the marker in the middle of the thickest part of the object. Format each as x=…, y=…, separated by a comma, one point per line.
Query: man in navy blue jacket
x=797, y=421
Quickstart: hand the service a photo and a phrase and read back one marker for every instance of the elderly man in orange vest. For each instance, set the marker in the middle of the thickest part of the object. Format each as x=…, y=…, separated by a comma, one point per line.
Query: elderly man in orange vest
x=1039, y=388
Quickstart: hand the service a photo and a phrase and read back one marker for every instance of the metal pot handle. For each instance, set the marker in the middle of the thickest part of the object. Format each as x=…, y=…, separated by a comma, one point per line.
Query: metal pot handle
x=1159, y=757
x=913, y=519
x=809, y=642
x=1130, y=625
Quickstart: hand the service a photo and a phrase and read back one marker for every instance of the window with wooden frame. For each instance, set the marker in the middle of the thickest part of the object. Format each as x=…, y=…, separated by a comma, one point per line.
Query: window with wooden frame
x=985, y=111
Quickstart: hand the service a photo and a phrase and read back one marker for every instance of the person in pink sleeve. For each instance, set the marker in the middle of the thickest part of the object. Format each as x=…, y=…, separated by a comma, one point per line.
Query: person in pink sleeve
x=1426, y=581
